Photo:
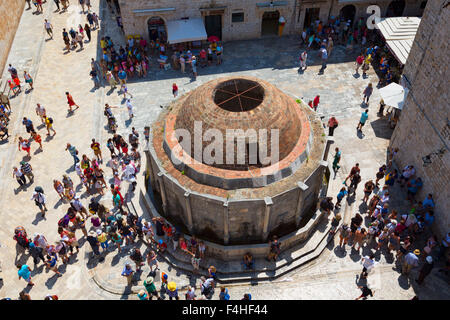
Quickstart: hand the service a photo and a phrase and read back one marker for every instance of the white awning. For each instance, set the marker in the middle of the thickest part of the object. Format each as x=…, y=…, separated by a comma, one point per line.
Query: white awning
x=399, y=33
x=185, y=30
x=394, y=95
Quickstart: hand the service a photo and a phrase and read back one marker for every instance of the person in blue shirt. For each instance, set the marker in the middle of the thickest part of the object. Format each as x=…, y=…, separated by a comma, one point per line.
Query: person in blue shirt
x=341, y=196
x=25, y=273
x=428, y=202
x=362, y=120
x=413, y=187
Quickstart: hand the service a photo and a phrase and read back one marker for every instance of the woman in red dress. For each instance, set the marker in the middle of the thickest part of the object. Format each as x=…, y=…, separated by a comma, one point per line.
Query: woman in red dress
x=70, y=102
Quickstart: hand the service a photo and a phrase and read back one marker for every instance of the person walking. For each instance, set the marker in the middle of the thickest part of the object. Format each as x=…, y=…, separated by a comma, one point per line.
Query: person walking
x=27, y=170
x=79, y=39
x=369, y=186
x=41, y=112
x=28, y=79
x=25, y=273
x=95, y=146
x=26, y=145
x=73, y=152
x=130, y=109
x=39, y=199
x=316, y=102
x=94, y=77
x=354, y=181
x=366, y=291
x=368, y=263
x=48, y=28
x=336, y=159
x=57, y=5
x=36, y=253
x=342, y=193
x=410, y=261
x=87, y=29
x=332, y=124
x=71, y=102
x=324, y=57
x=151, y=260
x=362, y=120
x=367, y=93
x=20, y=177
x=149, y=285
x=49, y=125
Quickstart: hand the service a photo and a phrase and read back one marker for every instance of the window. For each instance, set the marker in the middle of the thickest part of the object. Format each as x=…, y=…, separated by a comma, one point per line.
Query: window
x=237, y=17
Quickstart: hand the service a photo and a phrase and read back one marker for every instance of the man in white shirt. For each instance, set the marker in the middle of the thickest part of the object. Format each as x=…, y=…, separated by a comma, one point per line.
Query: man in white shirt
x=410, y=261
x=49, y=28
x=130, y=109
x=368, y=263
x=41, y=112
x=39, y=200
x=407, y=173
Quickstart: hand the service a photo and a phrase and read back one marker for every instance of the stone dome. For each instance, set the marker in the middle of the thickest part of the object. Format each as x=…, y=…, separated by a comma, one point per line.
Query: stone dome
x=240, y=103
x=281, y=142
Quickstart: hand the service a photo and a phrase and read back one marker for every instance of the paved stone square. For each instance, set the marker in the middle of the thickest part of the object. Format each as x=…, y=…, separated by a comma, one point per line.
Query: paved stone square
x=332, y=276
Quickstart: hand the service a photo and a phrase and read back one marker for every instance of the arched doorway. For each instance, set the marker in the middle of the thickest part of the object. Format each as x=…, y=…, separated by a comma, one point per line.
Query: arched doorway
x=156, y=28
x=348, y=13
x=395, y=8
x=269, y=24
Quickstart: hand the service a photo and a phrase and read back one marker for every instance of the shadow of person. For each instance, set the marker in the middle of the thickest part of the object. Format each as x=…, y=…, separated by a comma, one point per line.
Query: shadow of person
x=39, y=150
x=57, y=204
x=51, y=281
x=360, y=134
x=356, y=75
x=38, y=218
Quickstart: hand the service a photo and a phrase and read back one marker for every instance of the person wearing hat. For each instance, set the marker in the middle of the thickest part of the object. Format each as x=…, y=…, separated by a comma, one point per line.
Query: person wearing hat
x=93, y=241
x=101, y=236
x=172, y=290
x=410, y=261
x=151, y=288
x=426, y=269
x=142, y=295
x=128, y=273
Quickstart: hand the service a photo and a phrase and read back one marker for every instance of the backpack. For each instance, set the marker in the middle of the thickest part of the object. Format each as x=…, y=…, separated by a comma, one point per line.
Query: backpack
x=50, y=120
x=64, y=221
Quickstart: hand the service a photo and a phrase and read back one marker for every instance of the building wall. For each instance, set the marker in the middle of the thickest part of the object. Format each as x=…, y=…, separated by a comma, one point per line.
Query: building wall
x=293, y=11
x=424, y=125
x=10, y=13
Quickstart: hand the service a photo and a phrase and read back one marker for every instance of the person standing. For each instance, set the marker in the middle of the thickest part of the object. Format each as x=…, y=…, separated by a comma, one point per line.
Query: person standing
x=149, y=285
x=337, y=158
x=41, y=112
x=359, y=62
x=303, y=57
x=183, y=63
x=274, y=249
x=95, y=146
x=425, y=270
x=128, y=273
x=410, y=261
x=354, y=181
x=71, y=102
x=79, y=39
x=94, y=77
x=130, y=109
x=362, y=120
x=367, y=93
x=25, y=273
x=329, y=46
x=368, y=188
x=49, y=28
x=174, y=90
x=324, y=56
x=332, y=124
x=26, y=146
x=87, y=29
x=36, y=253
x=94, y=243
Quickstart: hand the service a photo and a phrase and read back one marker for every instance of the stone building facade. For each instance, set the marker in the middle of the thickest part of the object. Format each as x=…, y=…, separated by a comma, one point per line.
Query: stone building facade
x=424, y=125
x=10, y=11
x=250, y=19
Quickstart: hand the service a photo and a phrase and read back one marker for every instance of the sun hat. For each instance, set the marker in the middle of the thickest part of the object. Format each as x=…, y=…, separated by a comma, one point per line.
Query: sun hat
x=99, y=232
x=160, y=241
x=149, y=280
x=92, y=233
x=172, y=286
x=417, y=252
x=429, y=259
x=141, y=293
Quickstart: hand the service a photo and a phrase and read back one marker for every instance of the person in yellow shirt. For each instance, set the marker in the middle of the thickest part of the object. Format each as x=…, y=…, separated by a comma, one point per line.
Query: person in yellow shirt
x=49, y=124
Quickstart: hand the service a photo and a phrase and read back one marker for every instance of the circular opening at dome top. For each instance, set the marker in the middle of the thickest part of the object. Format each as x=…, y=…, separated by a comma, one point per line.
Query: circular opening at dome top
x=238, y=95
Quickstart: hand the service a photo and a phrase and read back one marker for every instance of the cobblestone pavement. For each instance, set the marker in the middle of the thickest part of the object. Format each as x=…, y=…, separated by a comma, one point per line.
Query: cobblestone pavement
x=332, y=276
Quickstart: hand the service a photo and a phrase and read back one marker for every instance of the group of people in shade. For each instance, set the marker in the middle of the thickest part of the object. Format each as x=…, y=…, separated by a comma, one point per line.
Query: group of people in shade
x=385, y=229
